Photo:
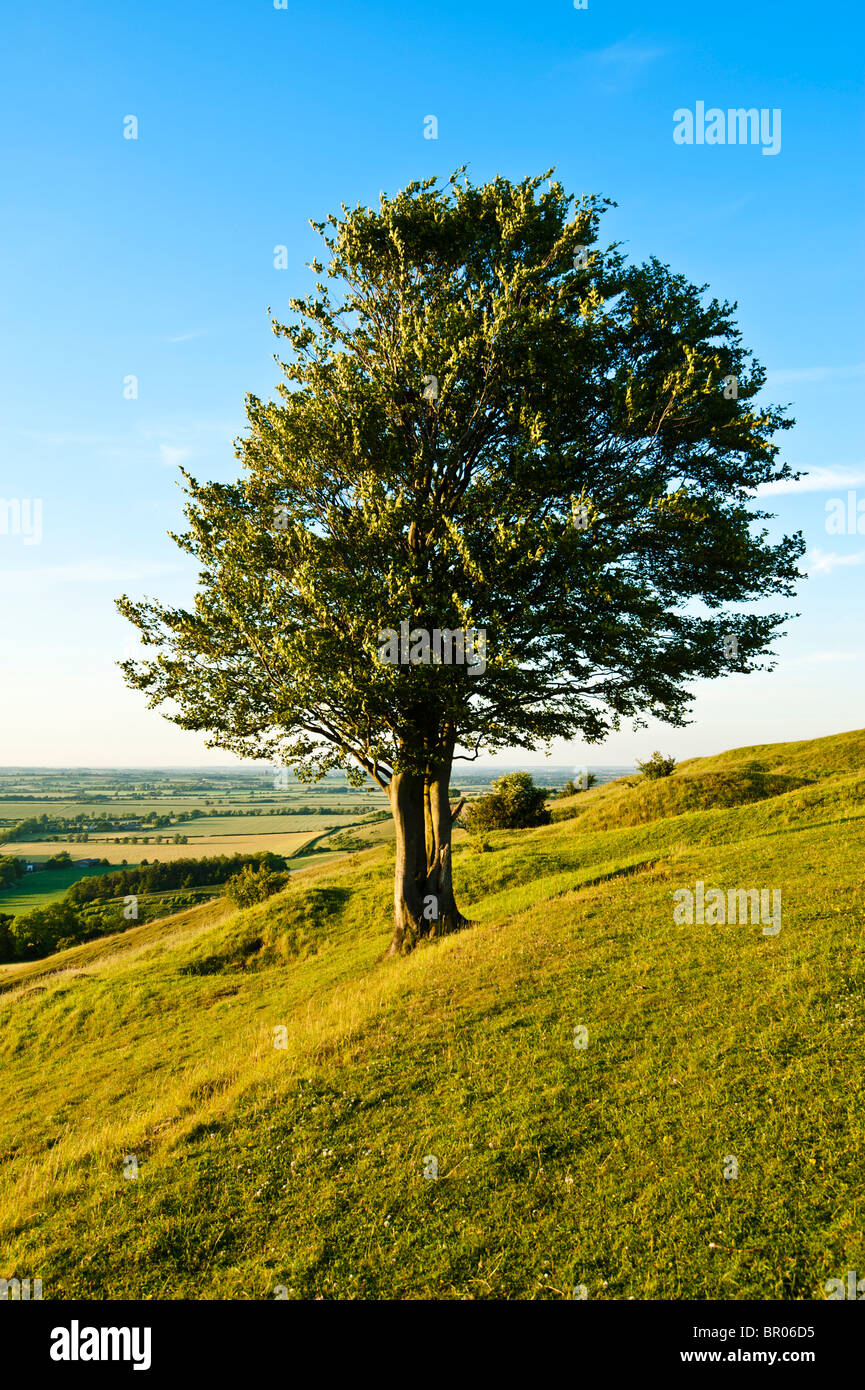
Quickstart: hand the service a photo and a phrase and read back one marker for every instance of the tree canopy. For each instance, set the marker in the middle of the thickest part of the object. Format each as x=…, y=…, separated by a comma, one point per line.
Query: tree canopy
x=485, y=421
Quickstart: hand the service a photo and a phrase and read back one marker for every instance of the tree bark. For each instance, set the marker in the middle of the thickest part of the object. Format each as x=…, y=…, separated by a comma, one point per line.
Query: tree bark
x=439, y=820
x=406, y=796
x=423, y=896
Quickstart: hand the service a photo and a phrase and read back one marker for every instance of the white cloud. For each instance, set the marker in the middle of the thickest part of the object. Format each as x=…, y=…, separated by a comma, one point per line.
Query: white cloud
x=628, y=54
x=817, y=480
x=617, y=66
x=173, y=454
x=185, y=337
x=825, y=561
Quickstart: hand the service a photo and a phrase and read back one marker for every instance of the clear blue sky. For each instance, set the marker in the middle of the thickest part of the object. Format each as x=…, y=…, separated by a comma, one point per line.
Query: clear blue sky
x=154, y=257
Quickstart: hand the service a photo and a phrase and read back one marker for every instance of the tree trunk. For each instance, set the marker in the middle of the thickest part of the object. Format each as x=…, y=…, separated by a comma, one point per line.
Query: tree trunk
x=439, y=892
x=406, y=796
x=423, y=896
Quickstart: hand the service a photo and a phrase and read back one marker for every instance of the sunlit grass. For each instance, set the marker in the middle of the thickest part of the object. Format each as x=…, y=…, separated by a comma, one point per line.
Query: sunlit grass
x=303, y=1166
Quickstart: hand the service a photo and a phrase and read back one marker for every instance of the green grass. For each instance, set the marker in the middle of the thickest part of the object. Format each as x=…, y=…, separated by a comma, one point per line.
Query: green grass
x=303, y=1166
x=47, y=886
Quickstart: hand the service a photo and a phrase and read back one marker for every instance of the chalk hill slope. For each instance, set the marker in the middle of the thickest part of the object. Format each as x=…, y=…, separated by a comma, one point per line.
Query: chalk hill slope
x=282, y=1092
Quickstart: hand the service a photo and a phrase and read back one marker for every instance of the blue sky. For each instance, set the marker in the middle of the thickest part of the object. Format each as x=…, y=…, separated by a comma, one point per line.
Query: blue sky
x=154, y=258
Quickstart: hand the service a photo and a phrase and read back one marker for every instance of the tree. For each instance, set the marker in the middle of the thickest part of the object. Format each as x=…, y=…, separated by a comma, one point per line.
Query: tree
x=11, y=870
x=656, y=766
x=36, y=933
x=486, y=423
x=514, y=803
x=58, y=861
x=7, y=943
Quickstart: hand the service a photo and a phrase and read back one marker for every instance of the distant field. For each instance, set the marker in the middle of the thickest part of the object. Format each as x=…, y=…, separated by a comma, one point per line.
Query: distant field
x=374, y=834
x=221, y=826
x=196, y=849
x=13, y=811
x=67, y=793
x=37, y=889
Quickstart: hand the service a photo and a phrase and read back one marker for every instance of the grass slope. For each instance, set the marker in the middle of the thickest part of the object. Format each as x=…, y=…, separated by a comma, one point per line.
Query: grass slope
x=302, y=1165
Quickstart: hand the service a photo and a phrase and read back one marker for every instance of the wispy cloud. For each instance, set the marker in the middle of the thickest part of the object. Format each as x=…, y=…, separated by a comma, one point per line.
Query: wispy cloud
x=790, y=376
x=825, y=561
x=185, y=337
x=628, y=53
x=818, y=480
x=617, y=66
x=173, y=454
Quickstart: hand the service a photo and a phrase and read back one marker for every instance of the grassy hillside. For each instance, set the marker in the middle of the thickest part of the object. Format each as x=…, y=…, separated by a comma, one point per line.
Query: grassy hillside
x=303, y=1166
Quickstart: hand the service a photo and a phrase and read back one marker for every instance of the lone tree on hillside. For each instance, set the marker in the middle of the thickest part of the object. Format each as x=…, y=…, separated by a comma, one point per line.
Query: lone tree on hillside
x=485, y=422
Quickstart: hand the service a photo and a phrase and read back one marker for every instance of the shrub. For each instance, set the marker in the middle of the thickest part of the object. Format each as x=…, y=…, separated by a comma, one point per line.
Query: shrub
x=514, y=803
x=58, y=861
x=571, y=788
x=656, y=766
x=253, y=885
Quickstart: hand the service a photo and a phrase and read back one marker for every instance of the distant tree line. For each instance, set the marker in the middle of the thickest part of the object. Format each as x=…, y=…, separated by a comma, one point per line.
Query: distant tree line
x=24, y=830
x=170, y=873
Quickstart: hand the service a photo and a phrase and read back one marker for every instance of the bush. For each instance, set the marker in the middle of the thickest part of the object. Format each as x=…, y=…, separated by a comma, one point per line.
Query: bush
x=514, y=803
x=657, y=766
x=58, y=861
x=253, y=885
x=571, y=788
